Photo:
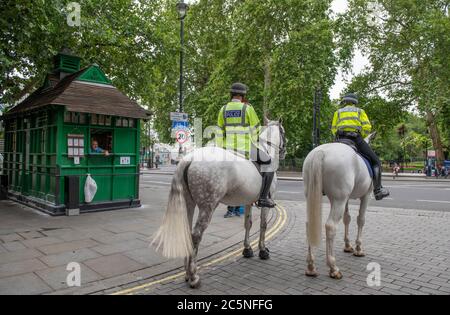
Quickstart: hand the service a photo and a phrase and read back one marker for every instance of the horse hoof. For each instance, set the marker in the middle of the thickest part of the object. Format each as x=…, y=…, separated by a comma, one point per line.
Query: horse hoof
x=264, y=254
x=312, y=273
x=359, y=254
x=349, y=250
x=248, y=253
x=337, y=275
x=196, y=283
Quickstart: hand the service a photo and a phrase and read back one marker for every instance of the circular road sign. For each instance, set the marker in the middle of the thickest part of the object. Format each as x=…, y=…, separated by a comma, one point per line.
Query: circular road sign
x=182, y=136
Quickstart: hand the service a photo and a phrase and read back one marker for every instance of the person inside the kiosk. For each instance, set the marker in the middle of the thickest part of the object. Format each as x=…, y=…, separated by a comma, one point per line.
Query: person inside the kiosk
x=95, y=149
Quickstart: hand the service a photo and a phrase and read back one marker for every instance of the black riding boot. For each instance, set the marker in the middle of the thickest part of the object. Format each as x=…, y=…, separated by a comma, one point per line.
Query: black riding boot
x=378, y=190
x=264, y=200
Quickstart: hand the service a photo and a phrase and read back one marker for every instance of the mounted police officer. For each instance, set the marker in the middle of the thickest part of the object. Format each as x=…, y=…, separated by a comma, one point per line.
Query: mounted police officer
x=240, y=130
x=352, y=123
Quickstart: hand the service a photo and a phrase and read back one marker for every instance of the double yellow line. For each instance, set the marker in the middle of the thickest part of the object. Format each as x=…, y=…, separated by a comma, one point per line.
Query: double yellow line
x=274, y=230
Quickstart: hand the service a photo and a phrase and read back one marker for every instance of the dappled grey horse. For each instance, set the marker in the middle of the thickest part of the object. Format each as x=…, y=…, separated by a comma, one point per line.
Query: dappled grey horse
x=205, y=178
x=337, y=171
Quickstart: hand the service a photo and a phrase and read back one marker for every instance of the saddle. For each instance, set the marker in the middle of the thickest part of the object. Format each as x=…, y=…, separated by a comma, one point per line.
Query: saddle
x=352, y=145
x=348, y=142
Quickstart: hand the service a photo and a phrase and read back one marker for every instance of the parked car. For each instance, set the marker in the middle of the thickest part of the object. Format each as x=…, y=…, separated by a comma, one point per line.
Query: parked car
x=1, y=163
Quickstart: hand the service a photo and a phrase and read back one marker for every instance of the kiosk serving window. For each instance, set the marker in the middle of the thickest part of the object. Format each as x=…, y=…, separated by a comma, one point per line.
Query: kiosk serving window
x=101, y=142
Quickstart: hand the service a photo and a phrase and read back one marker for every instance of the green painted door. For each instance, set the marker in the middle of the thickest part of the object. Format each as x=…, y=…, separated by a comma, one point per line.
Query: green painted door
x=27, y=174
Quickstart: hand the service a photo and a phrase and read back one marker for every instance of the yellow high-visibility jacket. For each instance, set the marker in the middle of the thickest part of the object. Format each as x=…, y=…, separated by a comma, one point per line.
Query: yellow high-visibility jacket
x=240, y=127
x=351, y=118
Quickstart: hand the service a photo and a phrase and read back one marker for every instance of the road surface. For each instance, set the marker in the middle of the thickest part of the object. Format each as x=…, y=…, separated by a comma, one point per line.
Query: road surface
x=404, y=194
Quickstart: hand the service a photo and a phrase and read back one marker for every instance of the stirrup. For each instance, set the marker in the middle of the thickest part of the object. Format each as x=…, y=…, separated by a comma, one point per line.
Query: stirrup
x=265, y=203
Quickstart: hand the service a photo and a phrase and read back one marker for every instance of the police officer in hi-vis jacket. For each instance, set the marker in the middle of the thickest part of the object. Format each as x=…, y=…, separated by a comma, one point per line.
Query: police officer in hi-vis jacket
x=240, y=130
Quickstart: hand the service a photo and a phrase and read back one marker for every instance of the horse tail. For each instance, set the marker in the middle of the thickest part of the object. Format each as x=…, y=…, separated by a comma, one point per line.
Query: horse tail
x=314, y=199
x=174, y=237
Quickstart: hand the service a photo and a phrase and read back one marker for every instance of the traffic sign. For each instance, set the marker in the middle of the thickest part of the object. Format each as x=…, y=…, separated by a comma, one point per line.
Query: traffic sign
x=182, y=136
x=180, y=125
x=179, y=117
x=177, y=126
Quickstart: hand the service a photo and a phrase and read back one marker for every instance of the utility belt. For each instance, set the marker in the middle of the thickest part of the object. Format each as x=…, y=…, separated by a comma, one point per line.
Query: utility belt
x=348, y=134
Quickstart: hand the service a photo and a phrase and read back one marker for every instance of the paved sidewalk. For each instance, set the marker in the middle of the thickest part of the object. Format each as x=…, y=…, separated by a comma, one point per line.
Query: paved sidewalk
x=112, y=247
x=411, y=246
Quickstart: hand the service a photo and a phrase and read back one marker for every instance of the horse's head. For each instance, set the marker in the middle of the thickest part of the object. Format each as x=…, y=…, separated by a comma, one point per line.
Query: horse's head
x=274, y=136
x=371, y=137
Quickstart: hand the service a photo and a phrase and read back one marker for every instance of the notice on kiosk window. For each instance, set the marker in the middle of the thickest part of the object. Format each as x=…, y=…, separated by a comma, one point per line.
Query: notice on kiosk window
x=125, y=160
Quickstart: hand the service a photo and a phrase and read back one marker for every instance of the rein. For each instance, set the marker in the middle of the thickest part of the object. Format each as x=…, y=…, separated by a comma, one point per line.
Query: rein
x=273, y=145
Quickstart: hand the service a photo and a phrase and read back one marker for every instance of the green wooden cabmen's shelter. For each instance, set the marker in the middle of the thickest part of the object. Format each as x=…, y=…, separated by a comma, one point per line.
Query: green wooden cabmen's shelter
x=77, y=124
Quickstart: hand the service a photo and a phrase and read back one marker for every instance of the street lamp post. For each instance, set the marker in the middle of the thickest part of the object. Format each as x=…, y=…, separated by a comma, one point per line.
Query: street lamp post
x=402, y=130
x=182, y=11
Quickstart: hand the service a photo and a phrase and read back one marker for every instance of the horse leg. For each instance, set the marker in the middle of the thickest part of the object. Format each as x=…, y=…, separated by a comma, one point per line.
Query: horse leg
x=337, y=211
x=248, y=251
x=264, y=252
x=347, y=219
x=190, y=206
x=361, y=221
x=311, y=270
x=204, y=218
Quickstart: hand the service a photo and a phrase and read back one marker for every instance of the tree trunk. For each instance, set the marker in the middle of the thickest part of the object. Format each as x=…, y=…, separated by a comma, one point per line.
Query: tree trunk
x=435, y=136
x=267, y=84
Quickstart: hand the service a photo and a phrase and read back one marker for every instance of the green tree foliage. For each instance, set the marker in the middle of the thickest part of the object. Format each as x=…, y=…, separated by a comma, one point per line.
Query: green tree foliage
x=120, y=35
x=282, y=50
x=408, y=45
x=408, y=147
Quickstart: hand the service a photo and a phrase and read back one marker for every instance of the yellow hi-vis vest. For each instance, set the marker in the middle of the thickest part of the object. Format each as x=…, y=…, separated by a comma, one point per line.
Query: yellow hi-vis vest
x=240, y=126
x=351, y=118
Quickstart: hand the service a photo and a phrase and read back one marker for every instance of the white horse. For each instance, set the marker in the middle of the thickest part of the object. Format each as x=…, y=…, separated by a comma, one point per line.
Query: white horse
x=205, y=178
x=334, y=170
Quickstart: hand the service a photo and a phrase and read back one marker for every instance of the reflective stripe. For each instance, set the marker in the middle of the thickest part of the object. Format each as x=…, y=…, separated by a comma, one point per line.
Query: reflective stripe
x=359, y=128
x=348, y=118
x=244, y=112
x=237, y=125
x=237, y=132
x=225, y=115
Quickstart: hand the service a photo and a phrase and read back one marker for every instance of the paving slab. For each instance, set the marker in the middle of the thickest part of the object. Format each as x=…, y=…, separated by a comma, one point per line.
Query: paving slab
x=63, y=259
x=110, y=266
x=26, y=284
x=68, y=246
x=56, y=277
x=20, y=267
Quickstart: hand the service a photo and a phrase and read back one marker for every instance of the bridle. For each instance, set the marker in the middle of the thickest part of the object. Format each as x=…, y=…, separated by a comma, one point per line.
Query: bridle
x=282, y=146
